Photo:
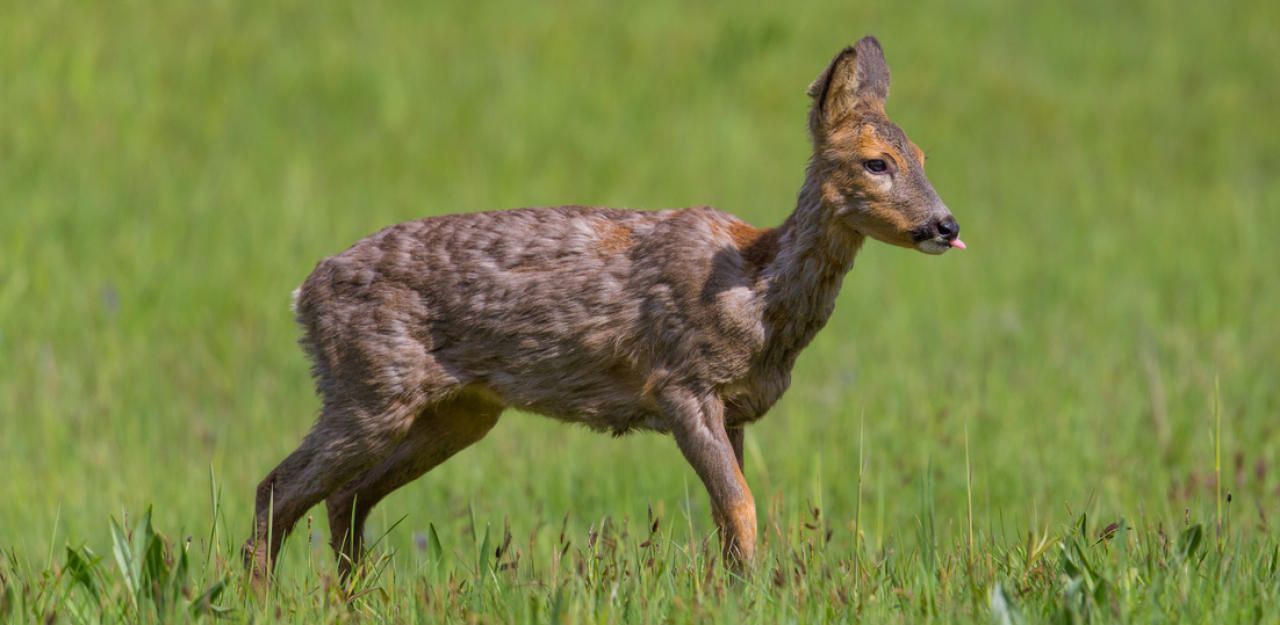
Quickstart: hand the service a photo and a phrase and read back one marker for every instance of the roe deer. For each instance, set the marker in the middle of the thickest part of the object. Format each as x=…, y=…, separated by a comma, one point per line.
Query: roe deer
x=682, y=321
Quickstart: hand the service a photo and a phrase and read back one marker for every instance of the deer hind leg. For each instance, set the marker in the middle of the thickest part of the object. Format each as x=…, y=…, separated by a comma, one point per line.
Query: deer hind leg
x=437, y=434
x=343, y=442
x=736, y=436
x=697, y=422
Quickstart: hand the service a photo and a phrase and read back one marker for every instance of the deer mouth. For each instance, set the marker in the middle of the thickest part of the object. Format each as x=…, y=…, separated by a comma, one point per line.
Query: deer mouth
x=938, y=236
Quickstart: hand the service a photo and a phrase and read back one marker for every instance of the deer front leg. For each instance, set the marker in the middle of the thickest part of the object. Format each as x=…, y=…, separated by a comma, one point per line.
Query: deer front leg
x=697, y=422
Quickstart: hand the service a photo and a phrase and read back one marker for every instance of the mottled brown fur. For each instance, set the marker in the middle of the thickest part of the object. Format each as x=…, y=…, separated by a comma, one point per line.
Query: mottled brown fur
x=681, y=321
x=614, y=238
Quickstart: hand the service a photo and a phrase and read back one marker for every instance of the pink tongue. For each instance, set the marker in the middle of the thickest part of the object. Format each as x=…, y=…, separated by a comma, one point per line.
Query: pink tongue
x=958, y=244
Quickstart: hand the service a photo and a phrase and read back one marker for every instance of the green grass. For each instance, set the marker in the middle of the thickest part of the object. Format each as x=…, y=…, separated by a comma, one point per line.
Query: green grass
x=170, y=172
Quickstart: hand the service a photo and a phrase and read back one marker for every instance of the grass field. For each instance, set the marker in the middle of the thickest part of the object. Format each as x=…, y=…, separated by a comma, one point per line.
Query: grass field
x=1073, y=421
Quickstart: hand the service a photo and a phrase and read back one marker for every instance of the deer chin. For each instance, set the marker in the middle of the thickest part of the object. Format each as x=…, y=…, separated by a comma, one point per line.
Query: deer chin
x=937, y=246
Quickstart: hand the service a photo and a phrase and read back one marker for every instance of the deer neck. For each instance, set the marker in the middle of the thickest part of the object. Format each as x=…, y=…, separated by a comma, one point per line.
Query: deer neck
x=814, y=254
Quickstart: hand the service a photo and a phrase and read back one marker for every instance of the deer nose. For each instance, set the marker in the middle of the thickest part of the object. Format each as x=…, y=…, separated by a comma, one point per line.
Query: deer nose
x=948, y=228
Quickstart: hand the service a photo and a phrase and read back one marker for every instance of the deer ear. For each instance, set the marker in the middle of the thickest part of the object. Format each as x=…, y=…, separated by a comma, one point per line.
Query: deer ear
x=856, y=80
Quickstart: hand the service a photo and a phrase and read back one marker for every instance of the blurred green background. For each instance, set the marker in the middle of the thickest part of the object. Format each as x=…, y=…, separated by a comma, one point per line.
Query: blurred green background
x=169, y=172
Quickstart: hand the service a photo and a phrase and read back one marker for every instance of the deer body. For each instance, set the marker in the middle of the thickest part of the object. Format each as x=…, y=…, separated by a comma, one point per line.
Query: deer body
x=681, y=321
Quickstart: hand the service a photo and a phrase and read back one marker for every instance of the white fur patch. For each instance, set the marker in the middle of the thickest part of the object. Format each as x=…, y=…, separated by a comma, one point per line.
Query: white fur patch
x=933, y=246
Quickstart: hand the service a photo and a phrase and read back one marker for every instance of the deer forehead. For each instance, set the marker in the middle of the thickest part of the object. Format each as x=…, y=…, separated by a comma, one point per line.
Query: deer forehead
x=870, y=140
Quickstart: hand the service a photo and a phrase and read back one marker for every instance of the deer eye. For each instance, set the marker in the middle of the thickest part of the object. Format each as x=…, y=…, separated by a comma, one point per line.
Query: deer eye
x=876, y=165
